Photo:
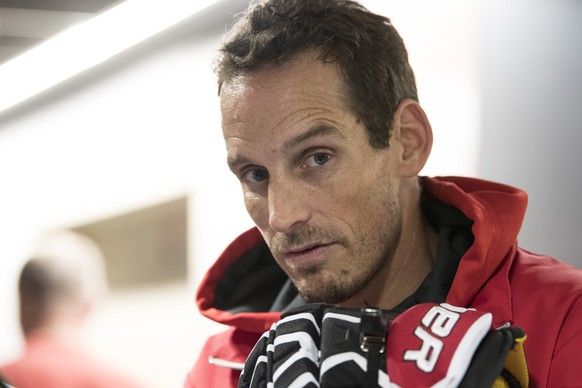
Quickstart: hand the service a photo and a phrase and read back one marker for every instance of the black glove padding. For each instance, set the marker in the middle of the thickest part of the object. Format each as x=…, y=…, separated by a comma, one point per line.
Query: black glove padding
x=312, y=346
x=428, y=345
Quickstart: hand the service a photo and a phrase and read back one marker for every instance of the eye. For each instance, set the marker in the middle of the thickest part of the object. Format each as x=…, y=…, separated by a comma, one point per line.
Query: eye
x=255, y=175
x=317, y=159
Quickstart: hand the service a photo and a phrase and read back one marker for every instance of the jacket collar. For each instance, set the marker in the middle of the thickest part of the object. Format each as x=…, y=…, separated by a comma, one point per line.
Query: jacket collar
x=497, y=211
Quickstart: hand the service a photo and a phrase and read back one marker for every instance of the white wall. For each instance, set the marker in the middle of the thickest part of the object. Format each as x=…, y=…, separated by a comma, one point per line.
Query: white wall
x=135, y=132
x=531, y=87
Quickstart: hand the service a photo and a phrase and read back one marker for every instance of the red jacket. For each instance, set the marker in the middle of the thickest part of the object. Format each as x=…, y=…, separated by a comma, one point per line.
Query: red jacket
x=535, y=292
x=52, y=363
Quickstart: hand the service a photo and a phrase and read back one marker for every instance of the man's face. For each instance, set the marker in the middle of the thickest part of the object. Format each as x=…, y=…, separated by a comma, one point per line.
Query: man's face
x=325, y=201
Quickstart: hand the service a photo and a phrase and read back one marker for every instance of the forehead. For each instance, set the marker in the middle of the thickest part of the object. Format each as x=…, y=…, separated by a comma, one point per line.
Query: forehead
x=303, y=79
x=268, y=112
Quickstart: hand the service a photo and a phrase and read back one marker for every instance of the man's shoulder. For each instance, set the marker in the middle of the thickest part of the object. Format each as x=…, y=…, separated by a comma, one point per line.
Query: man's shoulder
x=544, y=269
x=545, y=281
x=546, y=295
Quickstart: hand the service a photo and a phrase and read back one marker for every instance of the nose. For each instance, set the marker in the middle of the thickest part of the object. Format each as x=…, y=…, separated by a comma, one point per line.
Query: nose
x=288, y=204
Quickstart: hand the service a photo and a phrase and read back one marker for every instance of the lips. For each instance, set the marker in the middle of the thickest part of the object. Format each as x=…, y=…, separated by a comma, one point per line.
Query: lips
x=303, y=248
x=307, y=254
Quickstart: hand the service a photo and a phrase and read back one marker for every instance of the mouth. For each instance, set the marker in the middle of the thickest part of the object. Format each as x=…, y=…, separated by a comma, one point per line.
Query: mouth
x=307, y=254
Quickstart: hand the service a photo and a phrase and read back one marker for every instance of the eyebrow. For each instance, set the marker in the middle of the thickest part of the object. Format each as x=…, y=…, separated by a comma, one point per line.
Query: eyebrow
x=236, y=160
x=316, y=131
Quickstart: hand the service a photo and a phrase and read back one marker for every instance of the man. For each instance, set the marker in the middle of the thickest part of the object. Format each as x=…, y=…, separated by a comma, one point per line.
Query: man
x=58, y=287
x=323, y=129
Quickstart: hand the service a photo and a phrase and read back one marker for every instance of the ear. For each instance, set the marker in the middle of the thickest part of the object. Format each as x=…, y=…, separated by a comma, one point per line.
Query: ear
x=414, y=133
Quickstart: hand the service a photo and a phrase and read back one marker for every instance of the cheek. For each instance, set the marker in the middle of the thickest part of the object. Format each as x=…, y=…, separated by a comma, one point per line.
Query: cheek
x=363, y=199
x=257, y=208
x=352, y=192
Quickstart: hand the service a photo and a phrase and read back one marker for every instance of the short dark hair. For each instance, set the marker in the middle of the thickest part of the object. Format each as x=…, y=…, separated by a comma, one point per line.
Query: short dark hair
x=40, y=285
x=367, y=49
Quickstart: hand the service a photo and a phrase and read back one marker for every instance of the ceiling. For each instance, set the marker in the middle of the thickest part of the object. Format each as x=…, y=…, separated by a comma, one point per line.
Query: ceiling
x=25, y=23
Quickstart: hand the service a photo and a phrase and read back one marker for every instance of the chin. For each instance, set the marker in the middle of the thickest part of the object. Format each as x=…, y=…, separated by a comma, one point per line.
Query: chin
x=325, y=294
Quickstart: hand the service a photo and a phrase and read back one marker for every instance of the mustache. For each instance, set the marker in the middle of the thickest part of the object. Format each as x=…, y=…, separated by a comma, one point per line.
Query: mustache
x=281, y=242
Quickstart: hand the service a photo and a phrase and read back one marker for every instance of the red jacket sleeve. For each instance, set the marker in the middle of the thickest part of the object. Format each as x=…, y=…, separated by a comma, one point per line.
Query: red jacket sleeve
x=563, y=369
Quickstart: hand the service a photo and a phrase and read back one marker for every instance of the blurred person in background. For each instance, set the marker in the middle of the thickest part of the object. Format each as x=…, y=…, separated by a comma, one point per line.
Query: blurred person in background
x=58, y=287
x=360, y=272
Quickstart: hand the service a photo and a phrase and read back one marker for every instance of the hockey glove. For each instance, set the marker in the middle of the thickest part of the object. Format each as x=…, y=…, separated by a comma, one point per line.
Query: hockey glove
x=428, y=345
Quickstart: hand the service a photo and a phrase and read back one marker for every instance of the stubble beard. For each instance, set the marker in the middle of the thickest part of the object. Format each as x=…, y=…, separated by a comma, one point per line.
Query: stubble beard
x=316, y=284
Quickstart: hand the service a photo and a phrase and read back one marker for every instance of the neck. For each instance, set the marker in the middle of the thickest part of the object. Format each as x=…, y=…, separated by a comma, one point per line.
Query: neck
x=63, y=322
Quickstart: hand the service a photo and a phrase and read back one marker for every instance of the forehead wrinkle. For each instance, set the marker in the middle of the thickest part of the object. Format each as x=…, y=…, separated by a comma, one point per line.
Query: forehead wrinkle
x=317, y=130
x=305, y=114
